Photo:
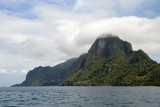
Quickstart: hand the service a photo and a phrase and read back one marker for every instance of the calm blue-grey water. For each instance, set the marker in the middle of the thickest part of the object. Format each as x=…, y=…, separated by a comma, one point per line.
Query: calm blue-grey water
x=93, y=96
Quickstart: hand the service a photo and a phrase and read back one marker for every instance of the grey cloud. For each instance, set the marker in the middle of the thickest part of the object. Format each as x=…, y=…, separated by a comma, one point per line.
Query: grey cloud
x=37, y=48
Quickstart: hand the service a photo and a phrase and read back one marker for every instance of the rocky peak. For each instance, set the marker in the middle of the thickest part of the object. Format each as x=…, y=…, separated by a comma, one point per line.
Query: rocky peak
x=108, y=45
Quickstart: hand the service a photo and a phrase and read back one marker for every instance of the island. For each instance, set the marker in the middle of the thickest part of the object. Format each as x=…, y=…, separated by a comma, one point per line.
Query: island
x=110, y=61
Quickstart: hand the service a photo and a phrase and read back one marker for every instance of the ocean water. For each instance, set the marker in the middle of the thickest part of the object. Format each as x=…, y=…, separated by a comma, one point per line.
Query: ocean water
x=80, y=96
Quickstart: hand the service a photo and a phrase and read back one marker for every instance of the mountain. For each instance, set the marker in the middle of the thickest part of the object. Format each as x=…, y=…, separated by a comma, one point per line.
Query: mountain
x=107, y=46
x=109, y=61
x=50, y=76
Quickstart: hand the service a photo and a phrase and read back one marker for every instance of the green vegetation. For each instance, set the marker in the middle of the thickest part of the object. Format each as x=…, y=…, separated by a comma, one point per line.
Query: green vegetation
x=121, y=69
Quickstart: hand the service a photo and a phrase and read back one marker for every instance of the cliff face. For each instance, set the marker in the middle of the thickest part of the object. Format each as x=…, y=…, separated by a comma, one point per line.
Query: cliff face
x=108, y=46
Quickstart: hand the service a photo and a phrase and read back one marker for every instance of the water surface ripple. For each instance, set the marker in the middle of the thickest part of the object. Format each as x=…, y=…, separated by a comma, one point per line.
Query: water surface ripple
x=80, y=96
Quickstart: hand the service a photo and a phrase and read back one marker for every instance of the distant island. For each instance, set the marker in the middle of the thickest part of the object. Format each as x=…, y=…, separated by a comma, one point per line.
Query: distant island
x=109, y=61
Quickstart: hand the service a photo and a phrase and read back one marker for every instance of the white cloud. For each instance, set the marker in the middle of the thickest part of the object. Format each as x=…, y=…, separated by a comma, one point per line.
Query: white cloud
x=13, y=72
x=57, y=35
x=141, y=32
x=24, y=71
x=133, y=29
x=92, y=5
x=111, y=7
x=3, y=71
x=65, y=35
x=130, y=5
x=38, y=47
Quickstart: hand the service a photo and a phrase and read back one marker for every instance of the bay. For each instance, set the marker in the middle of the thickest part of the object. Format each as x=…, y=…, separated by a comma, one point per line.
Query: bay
x=80, y=96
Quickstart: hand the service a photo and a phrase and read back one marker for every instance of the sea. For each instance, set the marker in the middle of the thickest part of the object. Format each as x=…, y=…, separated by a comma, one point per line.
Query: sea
x=80, y=96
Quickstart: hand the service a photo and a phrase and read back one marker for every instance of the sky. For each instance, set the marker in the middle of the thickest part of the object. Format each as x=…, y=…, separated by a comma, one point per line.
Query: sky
x=47, y=32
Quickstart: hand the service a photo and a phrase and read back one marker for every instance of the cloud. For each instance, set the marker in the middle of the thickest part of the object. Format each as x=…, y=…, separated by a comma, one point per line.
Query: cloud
x=24, y=71
x=114, y=7
x=141, y=32
x=93, y=5
x=130, y=5
x=64, y=35
x=72, y=34
x=13, y=72
x=37, y=47
x=8, y=78
x=61, y=30
x=3, y=71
